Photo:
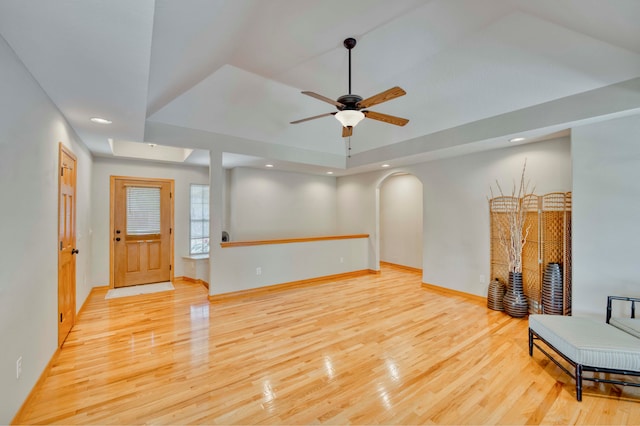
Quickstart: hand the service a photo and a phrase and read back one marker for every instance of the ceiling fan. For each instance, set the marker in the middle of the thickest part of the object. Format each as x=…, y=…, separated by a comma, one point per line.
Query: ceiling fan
x=349, y=106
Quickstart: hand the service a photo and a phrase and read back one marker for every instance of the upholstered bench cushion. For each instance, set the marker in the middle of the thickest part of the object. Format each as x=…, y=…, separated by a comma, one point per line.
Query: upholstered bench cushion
x=630, y=325
x=588, y=341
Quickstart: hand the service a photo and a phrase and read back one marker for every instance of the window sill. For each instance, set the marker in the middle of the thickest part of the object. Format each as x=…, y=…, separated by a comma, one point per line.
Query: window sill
x=196, y=257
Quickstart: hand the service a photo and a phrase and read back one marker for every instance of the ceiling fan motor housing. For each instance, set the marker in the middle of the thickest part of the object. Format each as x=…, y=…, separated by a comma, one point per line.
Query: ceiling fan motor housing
x=350, y=102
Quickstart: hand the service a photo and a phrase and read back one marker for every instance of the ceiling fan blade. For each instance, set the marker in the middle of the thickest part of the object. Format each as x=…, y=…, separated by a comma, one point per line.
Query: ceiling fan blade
x=391, y=119
x=347, y=131
x=312, y=118
x=323, y=98
x=381, y=97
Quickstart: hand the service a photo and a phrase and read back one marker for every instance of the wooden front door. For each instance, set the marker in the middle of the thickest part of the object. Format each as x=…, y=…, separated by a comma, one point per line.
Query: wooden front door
x=142, y=222
x=66, y=242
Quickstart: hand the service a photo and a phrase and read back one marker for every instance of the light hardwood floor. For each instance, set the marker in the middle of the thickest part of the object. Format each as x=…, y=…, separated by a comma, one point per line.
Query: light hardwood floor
x=365, y=350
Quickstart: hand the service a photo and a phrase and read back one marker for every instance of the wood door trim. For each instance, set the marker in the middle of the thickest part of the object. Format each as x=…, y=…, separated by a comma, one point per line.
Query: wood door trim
x=112, y=191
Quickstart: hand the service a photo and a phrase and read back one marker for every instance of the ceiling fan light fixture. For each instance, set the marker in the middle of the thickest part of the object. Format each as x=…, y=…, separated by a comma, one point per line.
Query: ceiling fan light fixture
x=349, y=117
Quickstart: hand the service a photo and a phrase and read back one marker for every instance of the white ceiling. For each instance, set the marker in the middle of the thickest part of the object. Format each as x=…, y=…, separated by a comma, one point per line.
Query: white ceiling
x=227, y=74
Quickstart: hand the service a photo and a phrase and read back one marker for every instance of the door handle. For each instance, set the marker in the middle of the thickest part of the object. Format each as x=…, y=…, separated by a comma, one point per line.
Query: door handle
x=117, y=238
x=75, y=251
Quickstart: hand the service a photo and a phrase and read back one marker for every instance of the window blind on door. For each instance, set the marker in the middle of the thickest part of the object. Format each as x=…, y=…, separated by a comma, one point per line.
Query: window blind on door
x=143, y=210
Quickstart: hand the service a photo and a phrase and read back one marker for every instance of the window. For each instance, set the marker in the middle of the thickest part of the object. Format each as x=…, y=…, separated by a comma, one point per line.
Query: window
x=199, y=219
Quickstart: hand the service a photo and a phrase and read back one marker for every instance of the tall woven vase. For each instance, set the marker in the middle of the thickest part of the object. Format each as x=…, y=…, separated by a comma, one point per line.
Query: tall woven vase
x=515, y=301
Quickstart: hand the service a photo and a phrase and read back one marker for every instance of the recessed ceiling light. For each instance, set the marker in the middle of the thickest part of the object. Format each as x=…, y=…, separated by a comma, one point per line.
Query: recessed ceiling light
x=329, y=173
x=386, y=165
x=101, y=120
x=268, y=165
x=517, y=139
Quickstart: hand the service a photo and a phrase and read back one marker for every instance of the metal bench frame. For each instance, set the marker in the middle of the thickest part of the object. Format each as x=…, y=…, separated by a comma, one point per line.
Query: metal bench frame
x=633, y=301
x=579, y=368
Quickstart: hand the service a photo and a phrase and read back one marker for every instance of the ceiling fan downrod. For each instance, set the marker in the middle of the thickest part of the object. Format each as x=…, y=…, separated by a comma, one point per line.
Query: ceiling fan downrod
x=349, y=43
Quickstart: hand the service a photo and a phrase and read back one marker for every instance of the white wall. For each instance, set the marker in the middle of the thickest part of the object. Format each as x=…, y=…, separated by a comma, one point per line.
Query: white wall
x=357, y=206
x=455, y=209
x=401, y=221
x=84, y=232
x=226, y=209
x=456, y=221
x=606, y=208
x=283, y=263
x=30, y=129
x=183, y=176
x=271, y=204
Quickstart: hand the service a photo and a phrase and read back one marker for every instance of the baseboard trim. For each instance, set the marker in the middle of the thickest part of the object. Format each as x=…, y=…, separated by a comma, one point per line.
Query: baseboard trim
x=98, y=287
x=403, y=267
x=271, y=289
x=450, y=292
x=192, y=280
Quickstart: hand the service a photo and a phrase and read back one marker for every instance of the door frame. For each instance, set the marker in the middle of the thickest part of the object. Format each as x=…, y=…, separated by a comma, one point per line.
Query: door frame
x=64, y=150
x=112, y=212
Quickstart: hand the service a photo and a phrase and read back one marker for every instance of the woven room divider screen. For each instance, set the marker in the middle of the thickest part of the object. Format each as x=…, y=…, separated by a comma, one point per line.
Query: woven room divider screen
x=548, y=218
